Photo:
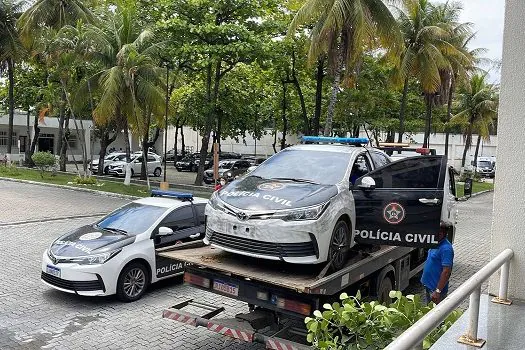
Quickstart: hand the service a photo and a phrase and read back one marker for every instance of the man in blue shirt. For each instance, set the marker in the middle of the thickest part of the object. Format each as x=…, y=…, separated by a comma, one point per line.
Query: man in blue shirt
x=438, y=268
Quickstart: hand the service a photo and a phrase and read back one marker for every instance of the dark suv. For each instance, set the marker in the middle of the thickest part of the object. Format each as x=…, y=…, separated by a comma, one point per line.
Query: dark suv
x=228, y=169
x=188, y=163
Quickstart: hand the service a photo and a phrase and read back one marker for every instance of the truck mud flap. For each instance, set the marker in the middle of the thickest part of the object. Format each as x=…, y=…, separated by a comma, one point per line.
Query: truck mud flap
x=231, y=327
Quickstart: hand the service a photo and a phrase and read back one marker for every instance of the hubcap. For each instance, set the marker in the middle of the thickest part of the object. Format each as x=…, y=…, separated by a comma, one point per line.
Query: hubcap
x=338, y=246
x=134, y=282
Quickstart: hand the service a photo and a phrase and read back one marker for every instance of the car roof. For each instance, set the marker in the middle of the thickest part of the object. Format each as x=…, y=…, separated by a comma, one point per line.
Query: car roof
x=168, y=202
x=327, y=148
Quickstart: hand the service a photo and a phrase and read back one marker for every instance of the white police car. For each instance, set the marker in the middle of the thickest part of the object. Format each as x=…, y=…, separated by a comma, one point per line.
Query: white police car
x=116, y=255
x=300, y=205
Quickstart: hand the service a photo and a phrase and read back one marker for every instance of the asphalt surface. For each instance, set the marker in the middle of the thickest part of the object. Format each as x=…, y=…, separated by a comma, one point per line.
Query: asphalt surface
x=34, y=316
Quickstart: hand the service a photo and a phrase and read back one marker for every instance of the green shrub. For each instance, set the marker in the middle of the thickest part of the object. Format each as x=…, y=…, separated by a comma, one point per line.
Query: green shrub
x=9, y=170
x=43, y=161
x=469, y=174
x=356, y=324
x=79, y=180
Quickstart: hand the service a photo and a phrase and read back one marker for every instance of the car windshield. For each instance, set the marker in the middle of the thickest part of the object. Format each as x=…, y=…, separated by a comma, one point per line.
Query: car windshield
x=109, y=157
x=321, y=167
x=484, y=164
x=131, y=219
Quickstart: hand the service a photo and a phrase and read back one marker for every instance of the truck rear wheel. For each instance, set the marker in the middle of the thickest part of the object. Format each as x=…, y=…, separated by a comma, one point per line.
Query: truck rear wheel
x=338, y=251
x=383, y=292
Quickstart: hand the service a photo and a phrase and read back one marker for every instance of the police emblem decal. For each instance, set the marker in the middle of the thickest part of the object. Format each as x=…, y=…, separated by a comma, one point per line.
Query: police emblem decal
x=271, y=186
x=394, y=213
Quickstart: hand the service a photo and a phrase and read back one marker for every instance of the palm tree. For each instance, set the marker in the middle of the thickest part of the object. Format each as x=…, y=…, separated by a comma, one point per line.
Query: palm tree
x=10, y=50
x=130, y=84
x=427, y=54
x=477, y=104
x=342, y=30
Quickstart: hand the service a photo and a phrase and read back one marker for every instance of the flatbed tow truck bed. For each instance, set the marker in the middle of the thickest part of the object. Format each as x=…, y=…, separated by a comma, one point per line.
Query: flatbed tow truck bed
x=277, y=292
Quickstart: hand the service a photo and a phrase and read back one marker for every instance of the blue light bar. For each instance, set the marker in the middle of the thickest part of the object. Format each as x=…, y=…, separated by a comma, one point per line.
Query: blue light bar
x=178, y=195
x=345, y=140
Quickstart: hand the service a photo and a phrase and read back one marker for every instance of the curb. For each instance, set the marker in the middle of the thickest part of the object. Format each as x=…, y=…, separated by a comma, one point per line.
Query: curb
x=72, y=188
x=194, y=188
x=462, y=199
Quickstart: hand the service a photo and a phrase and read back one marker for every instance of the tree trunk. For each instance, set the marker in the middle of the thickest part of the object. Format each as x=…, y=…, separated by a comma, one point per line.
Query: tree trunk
x=105, y=141
x=11, y=102
x=285, y=120
x=219, y=128
x=468, y=142
x=319, y=76
x=333, y=97
x=182, y=141
x=428, y=122
x=449, y=114
x=33, y=142
x=127, y=146
x=175, y=146
x=64, y=145
x=476, y=155
x=28, y=136
x=402, y=111
x=211, y=98
x=295, y=82
x=145, y=147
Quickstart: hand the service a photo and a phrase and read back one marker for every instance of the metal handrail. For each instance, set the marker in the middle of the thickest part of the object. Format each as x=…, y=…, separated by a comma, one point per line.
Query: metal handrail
x=418, y=331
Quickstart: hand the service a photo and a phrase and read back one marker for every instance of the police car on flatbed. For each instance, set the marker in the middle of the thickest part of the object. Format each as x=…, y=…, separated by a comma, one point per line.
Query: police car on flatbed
x=300, y=205
x=116, y=255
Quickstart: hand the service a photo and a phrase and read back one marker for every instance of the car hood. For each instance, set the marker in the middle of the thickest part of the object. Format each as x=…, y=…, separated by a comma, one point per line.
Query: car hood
x=88, y=240
x=254, y=193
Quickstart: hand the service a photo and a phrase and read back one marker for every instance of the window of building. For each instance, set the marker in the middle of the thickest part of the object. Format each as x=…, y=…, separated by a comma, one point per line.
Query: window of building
x=3, y=139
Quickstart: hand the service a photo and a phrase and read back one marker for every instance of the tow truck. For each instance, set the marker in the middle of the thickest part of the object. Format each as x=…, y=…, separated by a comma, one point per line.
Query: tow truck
x=279, y=295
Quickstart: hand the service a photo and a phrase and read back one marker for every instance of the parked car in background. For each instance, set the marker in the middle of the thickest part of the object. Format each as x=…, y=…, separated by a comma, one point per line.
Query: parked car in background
x=188, y=163
x=170, y=155
x=154, y=166
x=228, y=169
x=108, y=160
x=486, y=166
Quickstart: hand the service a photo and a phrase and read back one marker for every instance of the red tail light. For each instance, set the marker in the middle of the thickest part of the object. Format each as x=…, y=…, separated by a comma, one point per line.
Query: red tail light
x=423, y=151
x=294, y=306
x=196, y=280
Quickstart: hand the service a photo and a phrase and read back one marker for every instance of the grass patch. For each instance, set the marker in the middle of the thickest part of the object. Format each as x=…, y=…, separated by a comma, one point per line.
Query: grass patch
x=476, y=187
x=69, y=180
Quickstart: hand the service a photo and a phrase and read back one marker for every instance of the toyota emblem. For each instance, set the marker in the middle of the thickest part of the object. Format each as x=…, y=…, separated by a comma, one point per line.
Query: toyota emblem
x=242, y=216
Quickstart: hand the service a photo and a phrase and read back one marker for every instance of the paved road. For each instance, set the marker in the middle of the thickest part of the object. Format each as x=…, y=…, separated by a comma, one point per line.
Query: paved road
x=33, y=316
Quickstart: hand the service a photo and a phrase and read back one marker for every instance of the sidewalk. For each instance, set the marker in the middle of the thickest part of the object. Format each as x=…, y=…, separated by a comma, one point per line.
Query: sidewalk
x=500, y=325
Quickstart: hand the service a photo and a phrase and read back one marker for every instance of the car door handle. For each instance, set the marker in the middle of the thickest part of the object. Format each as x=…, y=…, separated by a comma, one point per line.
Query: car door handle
x=429, y=201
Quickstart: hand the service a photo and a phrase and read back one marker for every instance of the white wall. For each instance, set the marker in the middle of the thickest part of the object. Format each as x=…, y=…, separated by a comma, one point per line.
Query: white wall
x=509, y=196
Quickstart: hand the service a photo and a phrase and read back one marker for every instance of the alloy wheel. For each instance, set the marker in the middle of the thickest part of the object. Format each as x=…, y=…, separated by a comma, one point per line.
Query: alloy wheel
x=134, y=282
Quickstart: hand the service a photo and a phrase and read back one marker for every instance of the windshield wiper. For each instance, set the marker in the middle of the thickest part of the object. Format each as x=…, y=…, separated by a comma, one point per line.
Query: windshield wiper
x=116, y=230
x=296, y=180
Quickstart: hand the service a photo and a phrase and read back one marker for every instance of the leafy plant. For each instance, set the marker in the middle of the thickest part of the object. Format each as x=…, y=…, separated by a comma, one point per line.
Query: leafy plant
x=43, y=161
x=85, y=180
x=9, y=171
x=356, y=324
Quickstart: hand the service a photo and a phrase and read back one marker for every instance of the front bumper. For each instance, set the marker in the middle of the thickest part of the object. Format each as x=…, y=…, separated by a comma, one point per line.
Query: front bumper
x=117, y=171
x=87, y=280
x=297, y=242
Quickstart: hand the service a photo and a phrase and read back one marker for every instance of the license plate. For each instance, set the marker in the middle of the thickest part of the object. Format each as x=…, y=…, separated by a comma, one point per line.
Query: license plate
x=55, y=271
x=226, y=288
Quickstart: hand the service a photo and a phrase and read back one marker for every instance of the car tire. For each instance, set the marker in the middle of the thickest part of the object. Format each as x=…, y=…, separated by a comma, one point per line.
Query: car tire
x=339, y=243
x=383, y=292
x=157, y=172
x=132, y=282
x=106, y=170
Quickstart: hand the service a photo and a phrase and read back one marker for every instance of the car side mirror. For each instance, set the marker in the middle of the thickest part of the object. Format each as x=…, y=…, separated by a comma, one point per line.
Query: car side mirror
x=165, y=231
x=367, y=183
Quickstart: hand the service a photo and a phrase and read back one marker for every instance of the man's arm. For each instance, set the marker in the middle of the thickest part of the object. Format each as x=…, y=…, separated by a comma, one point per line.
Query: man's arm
x=443, y=279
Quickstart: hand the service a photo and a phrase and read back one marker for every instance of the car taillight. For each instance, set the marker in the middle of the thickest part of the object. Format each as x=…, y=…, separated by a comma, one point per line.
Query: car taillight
x=423, y=151
x=196, y=280
x=292, y=305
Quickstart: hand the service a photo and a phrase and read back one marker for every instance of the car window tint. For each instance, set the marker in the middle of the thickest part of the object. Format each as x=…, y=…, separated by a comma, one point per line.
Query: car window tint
x=379, y=159
x=179, y=219
x=360, y=167
x=324, y=167
x=200, y=213
x=133, y=218
x=151, y=159
x=414, y=172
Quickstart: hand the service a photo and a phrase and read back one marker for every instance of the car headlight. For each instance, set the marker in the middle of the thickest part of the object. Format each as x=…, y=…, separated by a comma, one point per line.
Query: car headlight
x=94, y=259
x=215, y=202
x=308, y=213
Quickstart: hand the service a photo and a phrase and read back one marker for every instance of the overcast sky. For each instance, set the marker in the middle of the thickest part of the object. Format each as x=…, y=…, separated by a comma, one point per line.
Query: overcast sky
x=487, y=16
